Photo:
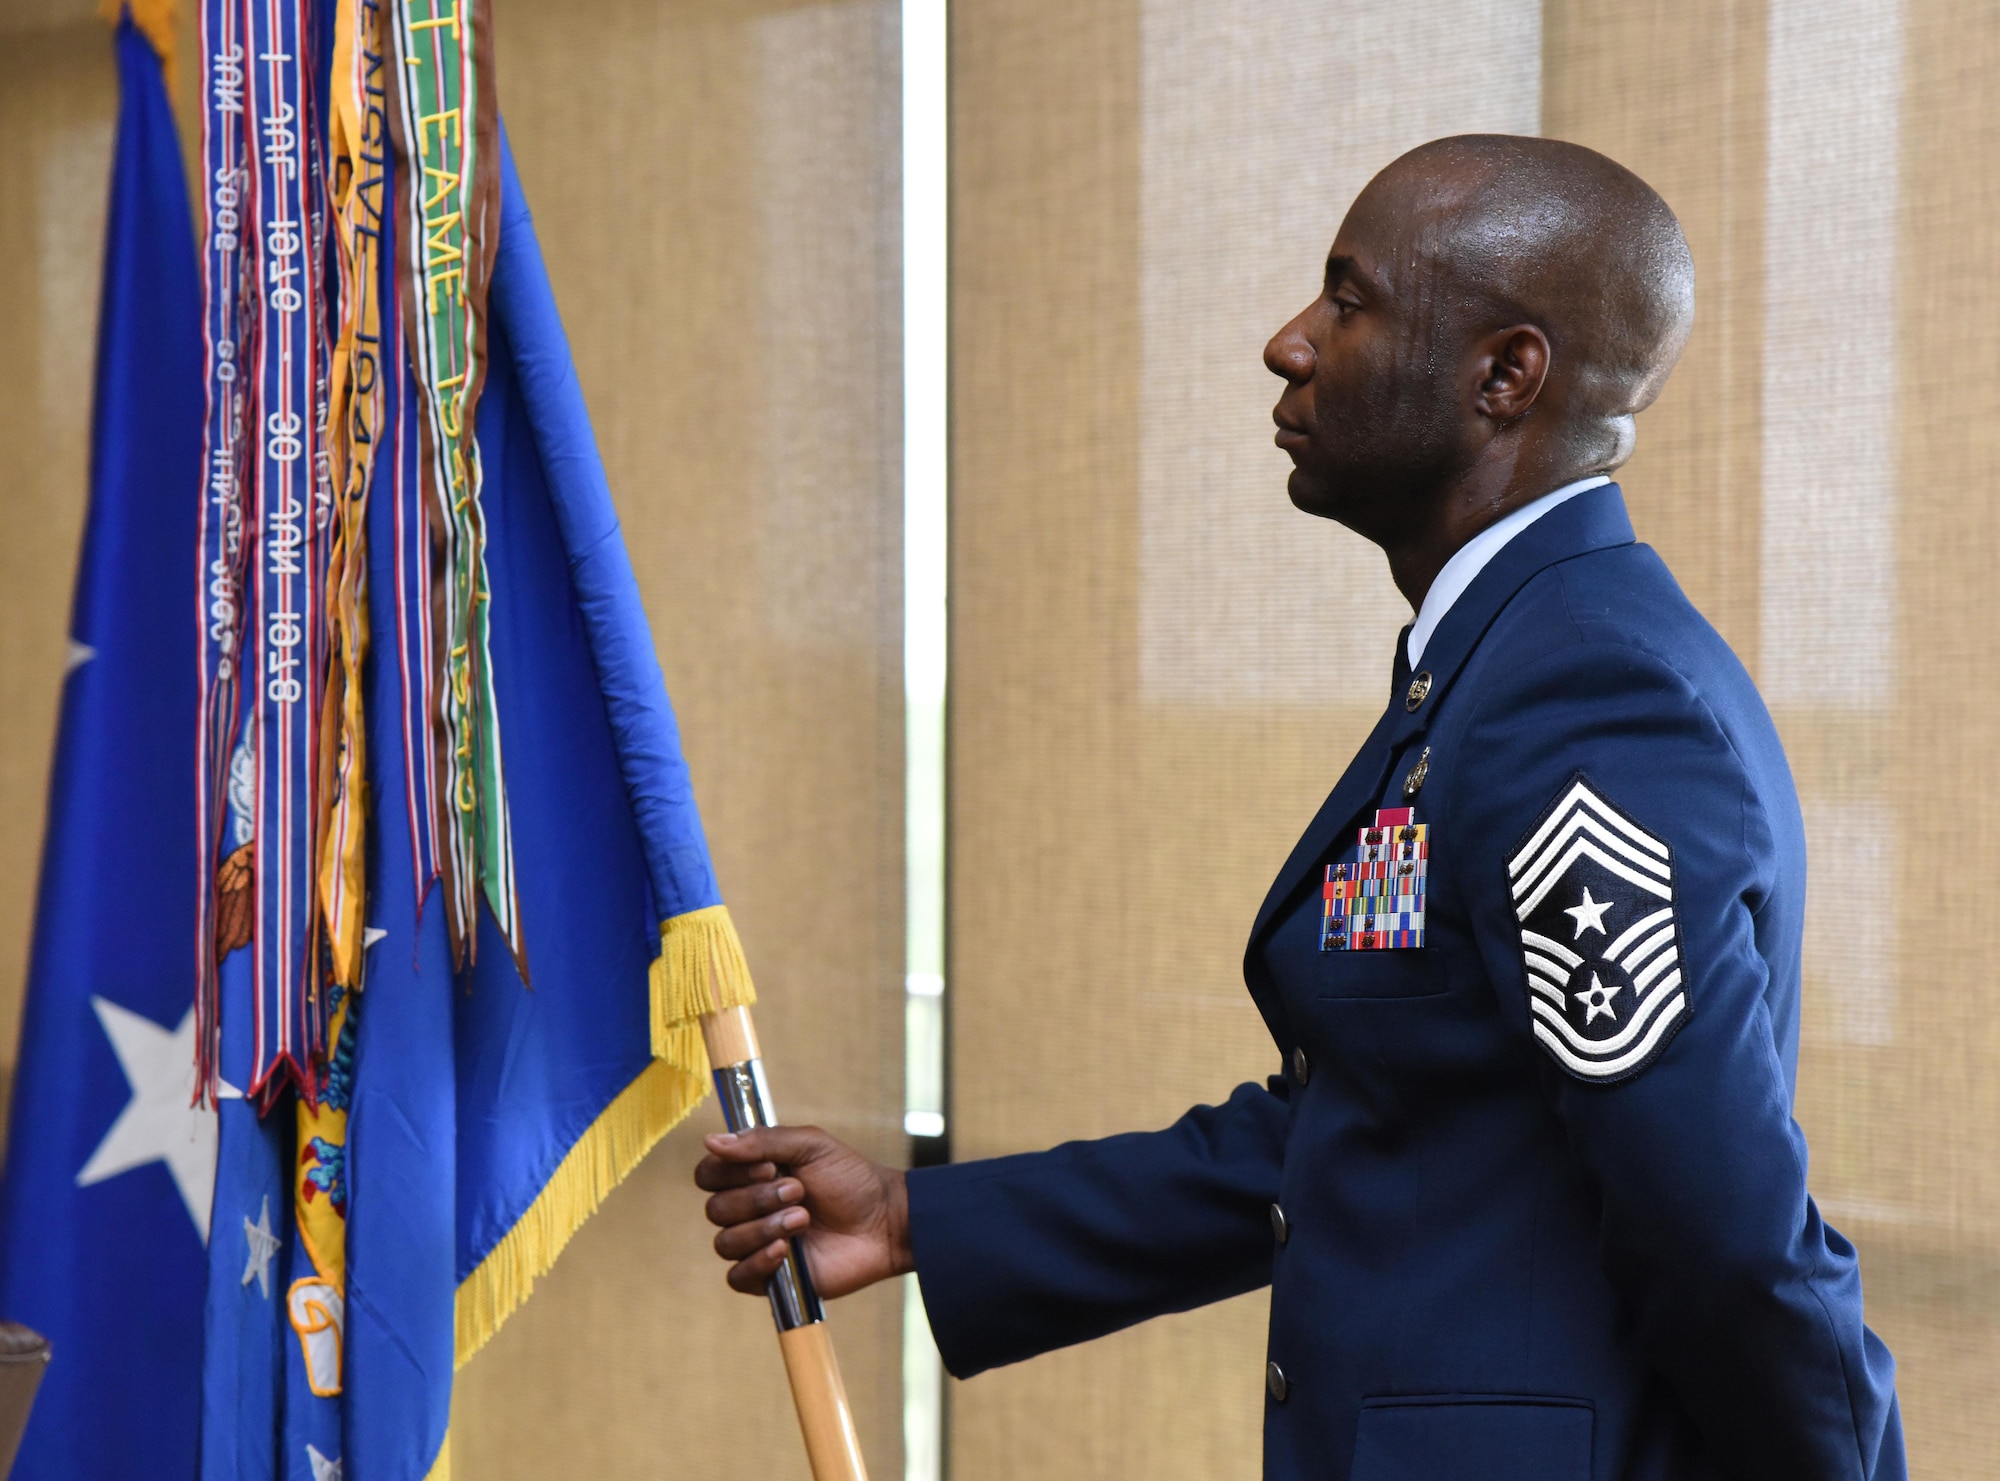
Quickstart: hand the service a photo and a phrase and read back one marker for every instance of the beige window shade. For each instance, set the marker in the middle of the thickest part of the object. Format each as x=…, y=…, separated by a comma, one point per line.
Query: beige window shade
x=58, y=101
x=1240, y=600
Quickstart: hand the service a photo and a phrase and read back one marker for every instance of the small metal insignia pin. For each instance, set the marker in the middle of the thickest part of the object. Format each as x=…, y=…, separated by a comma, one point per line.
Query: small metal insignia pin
x=1419, y=688
x=1414, y=782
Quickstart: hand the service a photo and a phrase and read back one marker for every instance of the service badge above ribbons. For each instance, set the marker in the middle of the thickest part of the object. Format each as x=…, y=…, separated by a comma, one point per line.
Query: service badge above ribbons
x=1593, y=892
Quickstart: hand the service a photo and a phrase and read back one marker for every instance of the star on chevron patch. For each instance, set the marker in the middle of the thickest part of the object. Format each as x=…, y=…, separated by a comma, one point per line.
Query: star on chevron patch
x=1594, y=895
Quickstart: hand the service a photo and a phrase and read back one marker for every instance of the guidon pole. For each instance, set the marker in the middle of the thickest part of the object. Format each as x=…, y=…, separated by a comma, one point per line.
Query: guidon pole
x=825, y=1417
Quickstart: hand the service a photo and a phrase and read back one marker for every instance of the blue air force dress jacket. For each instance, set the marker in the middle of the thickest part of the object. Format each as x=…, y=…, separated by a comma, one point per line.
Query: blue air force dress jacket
x=1540, y=1203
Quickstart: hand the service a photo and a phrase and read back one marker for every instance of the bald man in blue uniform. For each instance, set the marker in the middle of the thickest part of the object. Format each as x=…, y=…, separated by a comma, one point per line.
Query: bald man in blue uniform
x=1528, y=1193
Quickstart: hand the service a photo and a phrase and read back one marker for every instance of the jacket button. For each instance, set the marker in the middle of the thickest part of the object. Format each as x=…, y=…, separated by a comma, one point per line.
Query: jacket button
x=1274, y=1380
x=1280, y=1229
x=1301, y=1066
x=1419, y=687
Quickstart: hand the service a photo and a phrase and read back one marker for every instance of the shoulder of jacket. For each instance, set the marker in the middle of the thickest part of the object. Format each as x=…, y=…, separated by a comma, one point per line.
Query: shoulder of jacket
x=1592, y=607
x=1618, y=606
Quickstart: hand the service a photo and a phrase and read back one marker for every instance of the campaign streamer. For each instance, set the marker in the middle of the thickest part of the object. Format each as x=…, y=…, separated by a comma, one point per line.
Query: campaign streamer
x=286, y=464
x=358, y=144
x=448, y=204
x=229, y=341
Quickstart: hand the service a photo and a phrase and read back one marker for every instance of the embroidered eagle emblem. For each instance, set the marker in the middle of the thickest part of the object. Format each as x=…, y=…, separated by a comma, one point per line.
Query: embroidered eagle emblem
x=1600, y=940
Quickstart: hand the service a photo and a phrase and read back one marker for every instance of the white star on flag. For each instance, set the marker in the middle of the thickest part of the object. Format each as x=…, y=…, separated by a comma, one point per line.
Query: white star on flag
x=160, y=1123
x=263, y=1245
x=323, y=1469
x=1589, y=915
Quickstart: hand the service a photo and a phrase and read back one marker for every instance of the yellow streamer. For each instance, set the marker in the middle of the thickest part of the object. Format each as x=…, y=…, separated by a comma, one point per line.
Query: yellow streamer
x=358, y=142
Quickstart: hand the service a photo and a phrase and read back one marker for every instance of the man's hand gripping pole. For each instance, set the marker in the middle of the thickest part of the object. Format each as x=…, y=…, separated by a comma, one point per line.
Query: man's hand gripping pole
x=825, y=1417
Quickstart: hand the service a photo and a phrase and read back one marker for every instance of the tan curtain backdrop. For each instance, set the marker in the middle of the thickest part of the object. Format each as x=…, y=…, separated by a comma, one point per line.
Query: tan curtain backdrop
x=58, y=101
x=714, y=184
x=1159, y=668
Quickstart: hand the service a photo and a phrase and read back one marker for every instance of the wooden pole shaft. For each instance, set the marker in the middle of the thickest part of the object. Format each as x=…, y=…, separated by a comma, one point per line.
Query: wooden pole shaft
x=825, y=1418
x=731, y=1037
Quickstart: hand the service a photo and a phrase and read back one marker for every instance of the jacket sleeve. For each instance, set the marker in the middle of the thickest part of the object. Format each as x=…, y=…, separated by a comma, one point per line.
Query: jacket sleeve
x=1021, y=1255
x=1744, y=1298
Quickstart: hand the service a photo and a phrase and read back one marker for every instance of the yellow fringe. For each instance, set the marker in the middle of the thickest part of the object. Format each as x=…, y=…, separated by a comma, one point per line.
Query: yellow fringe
x=155, y=20
x=644, y=1111
x=700, y=970
x=441, y=1468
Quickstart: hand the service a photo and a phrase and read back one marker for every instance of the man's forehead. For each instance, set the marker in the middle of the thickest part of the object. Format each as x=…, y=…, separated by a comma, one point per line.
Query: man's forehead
x=1400, y=224
x=1380, y=256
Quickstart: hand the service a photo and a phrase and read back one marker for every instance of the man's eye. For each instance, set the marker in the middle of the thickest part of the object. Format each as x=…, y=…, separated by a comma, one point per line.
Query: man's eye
x=1345, y=306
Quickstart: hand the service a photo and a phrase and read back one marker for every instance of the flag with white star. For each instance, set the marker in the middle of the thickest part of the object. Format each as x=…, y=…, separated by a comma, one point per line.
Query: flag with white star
x=1600, y=941
x=110, y=1167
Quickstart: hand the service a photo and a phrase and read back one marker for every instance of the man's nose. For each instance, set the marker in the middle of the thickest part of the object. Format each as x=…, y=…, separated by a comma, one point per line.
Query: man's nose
x=1290, y=353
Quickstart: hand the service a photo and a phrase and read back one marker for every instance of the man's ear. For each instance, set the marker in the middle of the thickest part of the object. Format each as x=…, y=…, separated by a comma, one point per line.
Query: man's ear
x=1513, y=365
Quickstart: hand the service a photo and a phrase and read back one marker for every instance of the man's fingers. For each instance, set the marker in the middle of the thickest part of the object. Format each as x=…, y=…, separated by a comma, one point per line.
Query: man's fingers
x=751, y=1276
x=741, y=1205
x=757, y=1205
x=713, y=1175
x=741, y=1241
x=793, y=1144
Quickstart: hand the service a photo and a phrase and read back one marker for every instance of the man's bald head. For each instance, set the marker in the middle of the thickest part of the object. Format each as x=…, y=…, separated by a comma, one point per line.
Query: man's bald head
x=1540, y=231
x=1496, y=310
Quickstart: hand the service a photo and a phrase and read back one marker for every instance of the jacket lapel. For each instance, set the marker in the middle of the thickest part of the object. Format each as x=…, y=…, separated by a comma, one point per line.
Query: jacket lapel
x=1358, y=786
x=1593, y=520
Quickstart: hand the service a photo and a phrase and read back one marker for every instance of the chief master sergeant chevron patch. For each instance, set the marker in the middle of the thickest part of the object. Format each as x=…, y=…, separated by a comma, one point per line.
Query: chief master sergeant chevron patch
x=1594, y=894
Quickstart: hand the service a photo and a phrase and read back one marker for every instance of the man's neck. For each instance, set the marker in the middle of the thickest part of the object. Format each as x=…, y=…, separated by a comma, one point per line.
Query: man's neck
x=1479, y=497
x=1458, y=573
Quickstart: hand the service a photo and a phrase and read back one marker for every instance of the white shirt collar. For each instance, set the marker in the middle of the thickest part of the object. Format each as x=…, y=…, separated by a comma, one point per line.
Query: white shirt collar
x=1471, y=558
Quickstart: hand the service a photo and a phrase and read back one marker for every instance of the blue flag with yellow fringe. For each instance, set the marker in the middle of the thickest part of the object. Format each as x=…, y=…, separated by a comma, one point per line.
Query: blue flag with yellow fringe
x=319, y=982
x=105, y=1203
x=484, y=1119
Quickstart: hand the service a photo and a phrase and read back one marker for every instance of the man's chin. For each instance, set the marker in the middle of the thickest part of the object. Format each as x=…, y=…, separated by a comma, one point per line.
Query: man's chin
x=1355, y=508
x=1310, y=493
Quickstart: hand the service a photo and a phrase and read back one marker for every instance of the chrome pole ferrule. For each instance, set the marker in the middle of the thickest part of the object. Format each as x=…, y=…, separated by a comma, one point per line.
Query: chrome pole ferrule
x=746, y=1103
